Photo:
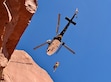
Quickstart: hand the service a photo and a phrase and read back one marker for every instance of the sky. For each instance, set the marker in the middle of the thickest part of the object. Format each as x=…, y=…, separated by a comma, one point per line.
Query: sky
x=90, y=39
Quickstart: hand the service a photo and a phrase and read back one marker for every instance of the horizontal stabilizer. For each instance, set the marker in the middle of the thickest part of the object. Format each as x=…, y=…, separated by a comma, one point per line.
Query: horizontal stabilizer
x=70, y=20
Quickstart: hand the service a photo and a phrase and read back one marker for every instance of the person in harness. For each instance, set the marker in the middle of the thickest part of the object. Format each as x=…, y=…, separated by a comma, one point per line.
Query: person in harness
x=55, y=66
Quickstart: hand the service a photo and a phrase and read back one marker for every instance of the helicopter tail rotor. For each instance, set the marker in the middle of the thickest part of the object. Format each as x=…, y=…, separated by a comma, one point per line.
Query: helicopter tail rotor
x=58, y=24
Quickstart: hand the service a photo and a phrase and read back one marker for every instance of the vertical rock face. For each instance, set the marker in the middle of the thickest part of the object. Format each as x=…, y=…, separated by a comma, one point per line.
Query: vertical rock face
x=21, y=68
x=15, y=16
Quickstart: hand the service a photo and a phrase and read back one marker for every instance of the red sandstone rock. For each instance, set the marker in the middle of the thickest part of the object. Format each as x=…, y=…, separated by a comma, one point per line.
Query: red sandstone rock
x=15, y=16
x=21, y=68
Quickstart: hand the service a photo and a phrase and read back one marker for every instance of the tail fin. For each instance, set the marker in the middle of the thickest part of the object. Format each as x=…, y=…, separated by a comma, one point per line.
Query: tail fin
x=70, y=20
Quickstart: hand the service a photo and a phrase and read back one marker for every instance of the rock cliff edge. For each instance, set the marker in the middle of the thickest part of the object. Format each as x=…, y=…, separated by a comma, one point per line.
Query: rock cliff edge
x=22, y=68
x=15, y=16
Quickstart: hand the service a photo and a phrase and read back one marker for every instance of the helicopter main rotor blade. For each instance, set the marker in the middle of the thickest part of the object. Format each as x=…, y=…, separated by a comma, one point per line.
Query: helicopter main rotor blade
x=68, y=48
x=58, y=24
x=40, y=45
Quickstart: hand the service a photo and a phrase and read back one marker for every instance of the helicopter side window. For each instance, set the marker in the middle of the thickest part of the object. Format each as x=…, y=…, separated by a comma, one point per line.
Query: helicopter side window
x=48, y=50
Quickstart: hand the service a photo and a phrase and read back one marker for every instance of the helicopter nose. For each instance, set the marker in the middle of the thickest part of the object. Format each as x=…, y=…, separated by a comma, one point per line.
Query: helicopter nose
x=49, y=52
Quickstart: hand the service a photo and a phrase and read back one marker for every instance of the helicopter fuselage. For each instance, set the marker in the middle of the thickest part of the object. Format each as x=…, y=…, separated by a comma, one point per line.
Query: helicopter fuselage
x=54, y=45
x=56, y=42
x=52, y=48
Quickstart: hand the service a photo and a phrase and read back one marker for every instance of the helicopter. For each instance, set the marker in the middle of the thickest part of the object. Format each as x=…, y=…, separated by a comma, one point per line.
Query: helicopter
x=55, y=44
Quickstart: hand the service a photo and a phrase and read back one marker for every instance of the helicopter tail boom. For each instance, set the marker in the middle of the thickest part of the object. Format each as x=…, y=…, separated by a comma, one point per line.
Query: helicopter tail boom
x=70, y=21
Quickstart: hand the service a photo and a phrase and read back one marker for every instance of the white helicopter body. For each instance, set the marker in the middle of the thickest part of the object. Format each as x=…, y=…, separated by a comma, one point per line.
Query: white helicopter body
x=56, y=43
